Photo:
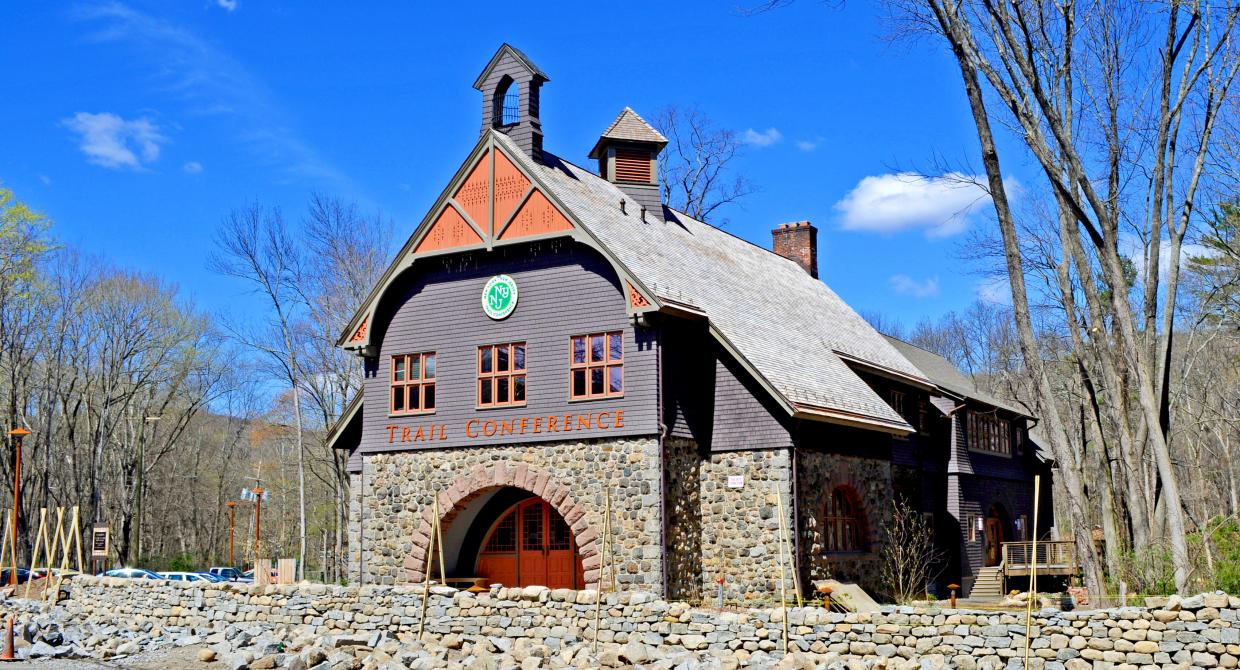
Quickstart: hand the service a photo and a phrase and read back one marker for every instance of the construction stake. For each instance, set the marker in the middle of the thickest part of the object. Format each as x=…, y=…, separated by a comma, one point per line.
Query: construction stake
x=430, y=564
x=783, y=578
x=1033, y=566
x=602, y=564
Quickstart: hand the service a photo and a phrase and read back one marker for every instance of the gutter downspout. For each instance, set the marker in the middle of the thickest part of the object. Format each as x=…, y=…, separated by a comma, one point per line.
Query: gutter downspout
x=665, y=577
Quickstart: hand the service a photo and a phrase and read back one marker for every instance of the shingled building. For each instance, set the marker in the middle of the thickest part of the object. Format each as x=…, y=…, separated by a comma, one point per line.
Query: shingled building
x=552, y=336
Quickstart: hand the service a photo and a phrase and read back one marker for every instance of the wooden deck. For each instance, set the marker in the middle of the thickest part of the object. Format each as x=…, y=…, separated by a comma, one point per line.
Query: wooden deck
x=1053, y=558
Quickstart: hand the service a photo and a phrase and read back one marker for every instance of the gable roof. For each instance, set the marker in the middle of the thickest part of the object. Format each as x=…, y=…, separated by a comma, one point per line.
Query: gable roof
x=789, y=329
x=629, y=127
x=515, y=53
x=945, y=375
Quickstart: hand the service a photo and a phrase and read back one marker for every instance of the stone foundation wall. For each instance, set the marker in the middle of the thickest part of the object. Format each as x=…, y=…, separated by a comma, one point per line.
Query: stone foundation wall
x=682, y=471
x=740, y=526
x=1198, y=632
x=818, y=474
x=397, y=491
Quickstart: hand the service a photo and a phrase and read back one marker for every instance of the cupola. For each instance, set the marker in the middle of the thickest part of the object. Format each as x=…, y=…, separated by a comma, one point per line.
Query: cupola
x=628, y=156
x=510, y=84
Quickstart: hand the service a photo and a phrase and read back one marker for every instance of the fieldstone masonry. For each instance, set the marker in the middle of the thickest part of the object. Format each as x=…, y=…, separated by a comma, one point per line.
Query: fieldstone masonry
x=1202, y=631
x=818, y=474
x=397, y=490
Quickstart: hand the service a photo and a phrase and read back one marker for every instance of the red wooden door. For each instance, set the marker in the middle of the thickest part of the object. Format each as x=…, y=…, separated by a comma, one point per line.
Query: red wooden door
x=531, y=545
x=994, y=540
x=532, y=559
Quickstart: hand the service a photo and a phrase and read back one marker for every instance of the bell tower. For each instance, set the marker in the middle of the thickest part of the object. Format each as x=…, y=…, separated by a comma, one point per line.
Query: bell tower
x=510, y=86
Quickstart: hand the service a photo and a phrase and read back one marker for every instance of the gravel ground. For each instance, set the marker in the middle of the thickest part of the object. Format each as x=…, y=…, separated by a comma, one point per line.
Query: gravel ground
x=182, y=658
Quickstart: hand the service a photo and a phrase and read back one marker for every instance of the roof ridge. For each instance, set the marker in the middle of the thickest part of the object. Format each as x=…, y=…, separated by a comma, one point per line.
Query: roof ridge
x=677, y=211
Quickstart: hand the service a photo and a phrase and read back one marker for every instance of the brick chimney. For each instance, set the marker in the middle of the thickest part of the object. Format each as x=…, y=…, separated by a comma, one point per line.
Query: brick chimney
x=798, y=242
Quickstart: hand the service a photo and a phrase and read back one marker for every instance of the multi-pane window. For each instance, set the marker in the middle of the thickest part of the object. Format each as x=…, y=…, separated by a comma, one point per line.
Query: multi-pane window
x=843, y=526
x=501, y=375
x=597, y=366
x=504, y=537
x=988, y=432
x=413, y=383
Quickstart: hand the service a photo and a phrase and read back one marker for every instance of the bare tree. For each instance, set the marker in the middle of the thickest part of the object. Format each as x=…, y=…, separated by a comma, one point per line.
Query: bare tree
x=908, y=560
x=254, y=245
x=696, y=167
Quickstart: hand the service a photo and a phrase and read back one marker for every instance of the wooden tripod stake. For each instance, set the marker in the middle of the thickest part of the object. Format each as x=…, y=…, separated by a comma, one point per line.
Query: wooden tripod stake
x=1033, y=566
x=435, y=534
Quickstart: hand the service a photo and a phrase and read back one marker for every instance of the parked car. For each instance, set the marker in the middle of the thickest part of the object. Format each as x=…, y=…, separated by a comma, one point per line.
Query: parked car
x=229, y=574
x=23, y=576
x=40, y=573
x=184, y=577
x=132, y=573
x=215, y=579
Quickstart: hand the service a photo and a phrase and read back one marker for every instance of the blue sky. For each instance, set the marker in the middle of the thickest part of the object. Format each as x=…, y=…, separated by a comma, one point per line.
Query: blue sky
x=136, y=126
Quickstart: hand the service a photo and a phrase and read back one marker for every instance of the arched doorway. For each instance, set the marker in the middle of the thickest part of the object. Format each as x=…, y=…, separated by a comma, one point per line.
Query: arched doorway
x=996, y=527
x=530, y=544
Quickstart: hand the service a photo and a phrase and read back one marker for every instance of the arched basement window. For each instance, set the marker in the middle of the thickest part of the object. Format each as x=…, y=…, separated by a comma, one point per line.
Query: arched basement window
x=843, y=522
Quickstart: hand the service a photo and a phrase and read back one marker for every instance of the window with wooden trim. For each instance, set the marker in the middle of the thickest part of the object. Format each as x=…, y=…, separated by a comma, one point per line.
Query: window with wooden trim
x=501, y=375
x=843, y=522
x=633, y=165
x=989, y=433
x=413, y=384
x=596, y=366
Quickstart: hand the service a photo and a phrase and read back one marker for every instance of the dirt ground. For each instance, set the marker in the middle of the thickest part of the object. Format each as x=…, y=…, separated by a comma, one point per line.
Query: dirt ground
x=185, y=658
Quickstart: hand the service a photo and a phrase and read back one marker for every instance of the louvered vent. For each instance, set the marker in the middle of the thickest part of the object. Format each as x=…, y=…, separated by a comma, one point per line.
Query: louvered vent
x=633, y=165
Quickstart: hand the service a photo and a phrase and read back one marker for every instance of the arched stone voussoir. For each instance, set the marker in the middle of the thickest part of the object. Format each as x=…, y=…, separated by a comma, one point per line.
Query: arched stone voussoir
x=480, y=479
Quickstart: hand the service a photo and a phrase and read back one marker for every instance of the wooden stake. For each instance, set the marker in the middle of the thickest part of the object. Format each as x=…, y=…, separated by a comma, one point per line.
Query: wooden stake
x=602, y=564
x=6, y=544
x=443, y=575
x=1033, y=566
x=785, y=545
x=426, y=579
x=783, y=578
x=40, y=542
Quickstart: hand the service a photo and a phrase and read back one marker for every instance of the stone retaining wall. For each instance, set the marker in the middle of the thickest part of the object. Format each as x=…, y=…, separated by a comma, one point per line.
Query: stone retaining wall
x=1198, y=632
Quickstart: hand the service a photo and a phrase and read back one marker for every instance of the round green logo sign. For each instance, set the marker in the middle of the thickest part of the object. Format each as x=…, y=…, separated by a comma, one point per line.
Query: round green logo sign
x=499, y=297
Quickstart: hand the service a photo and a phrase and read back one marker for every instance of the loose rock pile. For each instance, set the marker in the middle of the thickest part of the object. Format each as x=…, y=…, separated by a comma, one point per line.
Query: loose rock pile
x=349, y=628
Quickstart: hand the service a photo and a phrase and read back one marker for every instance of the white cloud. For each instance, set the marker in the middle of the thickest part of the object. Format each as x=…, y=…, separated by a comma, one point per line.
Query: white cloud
x=763, y=138
x=994, y=290
x=211, y=82
x=809, y=145
x=891, y=203
x=906, y=285
x=192, y=167
x=229, y=5
x=47, y=181
x=113, y=142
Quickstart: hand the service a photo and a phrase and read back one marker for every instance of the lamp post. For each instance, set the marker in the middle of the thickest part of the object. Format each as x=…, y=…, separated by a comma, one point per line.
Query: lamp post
x=258, y=520
x=232, y=514
x=16, y=434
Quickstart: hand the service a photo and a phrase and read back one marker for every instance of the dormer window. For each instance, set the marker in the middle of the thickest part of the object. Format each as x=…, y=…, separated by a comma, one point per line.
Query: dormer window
x=508, y=102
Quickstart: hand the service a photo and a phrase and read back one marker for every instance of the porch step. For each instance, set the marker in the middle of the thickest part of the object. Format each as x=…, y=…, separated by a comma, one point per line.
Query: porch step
x=988, y=585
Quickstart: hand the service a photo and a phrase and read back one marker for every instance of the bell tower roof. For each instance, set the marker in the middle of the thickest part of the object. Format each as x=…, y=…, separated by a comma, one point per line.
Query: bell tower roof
x=508, y=52
x=629, y=127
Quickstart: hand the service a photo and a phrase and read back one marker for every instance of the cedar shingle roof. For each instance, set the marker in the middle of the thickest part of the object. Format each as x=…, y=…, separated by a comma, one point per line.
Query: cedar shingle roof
x=784, y=324
x=945, y=375
x=630, y=127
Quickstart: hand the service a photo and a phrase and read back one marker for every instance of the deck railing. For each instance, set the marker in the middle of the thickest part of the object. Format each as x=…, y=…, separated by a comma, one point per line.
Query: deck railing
x=1052, y=556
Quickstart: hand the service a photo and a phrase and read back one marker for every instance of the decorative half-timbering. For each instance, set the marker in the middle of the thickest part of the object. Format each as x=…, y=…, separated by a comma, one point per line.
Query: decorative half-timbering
x=552, y=337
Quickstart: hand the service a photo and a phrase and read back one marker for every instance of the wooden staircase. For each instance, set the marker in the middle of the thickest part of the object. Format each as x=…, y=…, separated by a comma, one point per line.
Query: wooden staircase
x=988, y=585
